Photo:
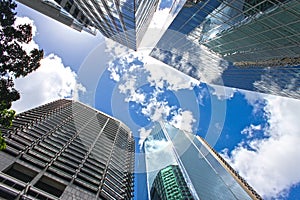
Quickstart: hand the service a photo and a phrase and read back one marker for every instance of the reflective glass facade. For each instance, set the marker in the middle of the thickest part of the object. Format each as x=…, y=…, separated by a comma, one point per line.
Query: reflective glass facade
x=156, y=157
x=170, y=184
x=207, y=174
x=67, y=150
x=63, y=12
x=124, y=21
x=257, y=31
x=245, y=39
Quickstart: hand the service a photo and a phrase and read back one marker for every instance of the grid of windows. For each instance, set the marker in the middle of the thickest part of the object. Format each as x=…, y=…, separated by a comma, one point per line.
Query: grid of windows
x=170, y=184
x=273, y=34
x=64, y=145
x=242, y=31
x=206, y=174
x=122, y=21
x=211, y=177
x=245, y=44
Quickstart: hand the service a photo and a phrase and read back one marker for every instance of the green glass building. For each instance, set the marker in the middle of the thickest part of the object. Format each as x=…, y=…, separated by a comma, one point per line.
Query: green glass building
x=170, y=184
x=268, y=31
x=181, y=165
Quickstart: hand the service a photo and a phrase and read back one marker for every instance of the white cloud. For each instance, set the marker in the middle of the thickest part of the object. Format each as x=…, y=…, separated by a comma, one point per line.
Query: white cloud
x=162, y=75
x=114, y=48
x=49, y=82
x=143, y=134
x=184, y=120
x=222, y=92
x=157, y=110
x=249, y=130
x=132, y=70
x=255, y=99
x=192, y=59
x=272, y=166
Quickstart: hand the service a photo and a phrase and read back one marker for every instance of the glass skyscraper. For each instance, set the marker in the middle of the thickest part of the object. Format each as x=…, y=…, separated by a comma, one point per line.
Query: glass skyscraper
x=67, y=150
x=123, y=21
x=250, y=41
x=170, y=184
x=251, y=32
x=206, y=173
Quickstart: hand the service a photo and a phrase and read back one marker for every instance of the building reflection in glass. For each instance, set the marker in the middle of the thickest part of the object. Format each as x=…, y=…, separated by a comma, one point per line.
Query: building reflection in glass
x=206, y=173
x=224, y=42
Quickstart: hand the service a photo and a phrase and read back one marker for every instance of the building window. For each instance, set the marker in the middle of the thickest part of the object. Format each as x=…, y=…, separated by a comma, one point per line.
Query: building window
x=51, y=186
x=20, y=172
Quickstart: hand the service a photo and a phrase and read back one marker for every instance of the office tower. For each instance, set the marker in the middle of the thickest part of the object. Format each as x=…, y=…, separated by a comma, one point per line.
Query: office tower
x=170, y=184
x=162, y=157
x=259, y=32
x=206, y=173
x=123, y=21
x=67, y=150
x=237, y=43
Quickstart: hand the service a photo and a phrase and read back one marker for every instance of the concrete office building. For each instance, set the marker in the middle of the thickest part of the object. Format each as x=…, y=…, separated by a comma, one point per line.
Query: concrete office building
x=67, y=150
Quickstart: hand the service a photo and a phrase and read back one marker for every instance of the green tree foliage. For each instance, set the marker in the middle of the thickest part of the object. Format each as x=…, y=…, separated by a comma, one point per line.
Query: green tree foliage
x=14, y=60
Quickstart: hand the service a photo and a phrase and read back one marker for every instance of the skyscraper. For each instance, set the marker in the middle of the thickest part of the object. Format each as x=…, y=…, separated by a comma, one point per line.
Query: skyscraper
x=170, y=184
x=265, y=31
x=248, y=40
x=67, y=150
x=123, y=21
x=206, y=173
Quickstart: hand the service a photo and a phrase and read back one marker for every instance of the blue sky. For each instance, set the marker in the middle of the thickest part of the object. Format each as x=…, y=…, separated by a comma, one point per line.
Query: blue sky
x=257, y=134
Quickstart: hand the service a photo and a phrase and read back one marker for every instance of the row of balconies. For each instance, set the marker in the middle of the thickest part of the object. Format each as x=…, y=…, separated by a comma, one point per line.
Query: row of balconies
x=69, y=162
x=13, y=144
x=32, y=160
x=71, y=153
x=86, y=185
x=87, y=170
x=87, y=178
x=48, y=147
x=61, y=171
x=116, y=180
x=96, y=170
x=111, y=191
x=117, y=188
x=59, y=174
x=68, y=155
x=33, y=132
x=75, y=150
x=99, y=161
